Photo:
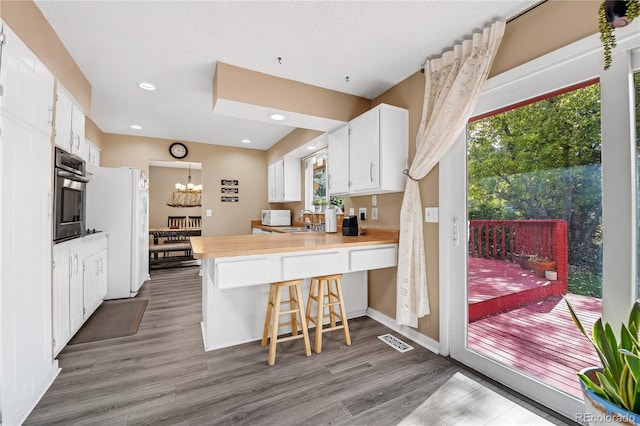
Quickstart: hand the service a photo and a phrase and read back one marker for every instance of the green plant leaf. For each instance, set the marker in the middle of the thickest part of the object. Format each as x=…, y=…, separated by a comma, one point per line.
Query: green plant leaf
x=590, y=384
x=633, y=363
x=605, y=340
x=610, y=388
x=634, y=319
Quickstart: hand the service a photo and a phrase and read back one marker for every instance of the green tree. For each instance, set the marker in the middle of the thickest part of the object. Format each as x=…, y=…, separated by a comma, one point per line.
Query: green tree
x=542, y=161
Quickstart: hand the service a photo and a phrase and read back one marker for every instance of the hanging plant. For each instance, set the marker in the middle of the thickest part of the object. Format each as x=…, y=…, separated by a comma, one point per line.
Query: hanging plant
x=613, y=14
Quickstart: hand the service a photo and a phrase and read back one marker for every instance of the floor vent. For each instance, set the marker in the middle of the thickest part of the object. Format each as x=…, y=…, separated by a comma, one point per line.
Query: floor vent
x=395, y=343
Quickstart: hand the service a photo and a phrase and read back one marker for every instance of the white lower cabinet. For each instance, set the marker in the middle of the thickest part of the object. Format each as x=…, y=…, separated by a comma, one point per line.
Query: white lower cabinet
x=95, y=280
x=79, y=284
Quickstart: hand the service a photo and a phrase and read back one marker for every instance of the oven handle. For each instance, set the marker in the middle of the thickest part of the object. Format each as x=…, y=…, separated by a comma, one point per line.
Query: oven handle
x=72, y=176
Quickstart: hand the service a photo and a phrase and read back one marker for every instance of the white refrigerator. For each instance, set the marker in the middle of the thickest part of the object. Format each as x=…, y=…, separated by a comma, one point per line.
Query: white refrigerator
x=118, y=203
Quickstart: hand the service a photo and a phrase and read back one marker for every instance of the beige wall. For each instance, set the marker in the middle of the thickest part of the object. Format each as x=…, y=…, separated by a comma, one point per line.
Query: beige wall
x=243, y=85
x=548, y=27
x=93, y=133
x=248, y=166
x=162, y=181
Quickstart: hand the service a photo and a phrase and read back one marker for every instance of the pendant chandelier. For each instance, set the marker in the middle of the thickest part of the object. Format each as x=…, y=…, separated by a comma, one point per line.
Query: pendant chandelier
x=188, y=195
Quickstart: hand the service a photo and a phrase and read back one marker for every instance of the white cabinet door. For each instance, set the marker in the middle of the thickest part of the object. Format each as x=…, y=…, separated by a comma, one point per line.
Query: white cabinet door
x=364, y=151
x=93, y=155
x=25, y=231
x=90, y=285
x=76, y=290
x=63, y=129
x=61, y=276
x=70, y=123
x=79, y=146
x=284, y=182
x=338, y=161
x=101, y=289
x=271, y=183
x=26, y=83
x=279, y=179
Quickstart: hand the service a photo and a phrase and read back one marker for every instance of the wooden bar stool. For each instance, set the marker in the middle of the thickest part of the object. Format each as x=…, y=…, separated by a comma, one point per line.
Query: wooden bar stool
x=295, y=309
x=327, y=298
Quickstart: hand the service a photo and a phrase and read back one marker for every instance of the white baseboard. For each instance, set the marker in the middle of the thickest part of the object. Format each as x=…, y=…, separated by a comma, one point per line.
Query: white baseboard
x=408, y=332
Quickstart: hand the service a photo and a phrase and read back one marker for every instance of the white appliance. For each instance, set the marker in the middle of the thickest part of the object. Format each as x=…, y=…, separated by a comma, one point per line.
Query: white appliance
x=330, y=223
x=276, y=217
x=118, y=203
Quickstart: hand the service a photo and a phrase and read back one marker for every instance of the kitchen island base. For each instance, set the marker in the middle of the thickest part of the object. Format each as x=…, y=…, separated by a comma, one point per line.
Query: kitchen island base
x=235, y=316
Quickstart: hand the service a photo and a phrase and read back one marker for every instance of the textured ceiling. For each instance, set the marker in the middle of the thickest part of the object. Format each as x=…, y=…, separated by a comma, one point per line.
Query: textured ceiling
x=176, y=44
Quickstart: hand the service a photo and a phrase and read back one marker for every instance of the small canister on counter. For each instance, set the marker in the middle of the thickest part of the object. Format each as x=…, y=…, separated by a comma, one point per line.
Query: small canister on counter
x=330, y=224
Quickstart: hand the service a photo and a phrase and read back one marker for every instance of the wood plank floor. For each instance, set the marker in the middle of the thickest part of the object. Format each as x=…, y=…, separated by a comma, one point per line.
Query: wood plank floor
x=162, y=376
x=541, y=340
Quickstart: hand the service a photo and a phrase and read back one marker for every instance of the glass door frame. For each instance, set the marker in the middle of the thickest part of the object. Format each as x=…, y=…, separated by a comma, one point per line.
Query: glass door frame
x=579, y=62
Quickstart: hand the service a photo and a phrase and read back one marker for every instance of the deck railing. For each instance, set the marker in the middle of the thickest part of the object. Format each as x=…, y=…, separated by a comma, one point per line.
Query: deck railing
x=507, y=241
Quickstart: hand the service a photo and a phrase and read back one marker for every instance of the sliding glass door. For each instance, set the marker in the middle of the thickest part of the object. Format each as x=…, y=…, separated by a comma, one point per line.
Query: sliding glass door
x=538, y=207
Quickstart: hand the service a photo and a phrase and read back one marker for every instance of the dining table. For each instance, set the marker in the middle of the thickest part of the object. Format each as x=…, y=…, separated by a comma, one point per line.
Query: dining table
x=173, y=233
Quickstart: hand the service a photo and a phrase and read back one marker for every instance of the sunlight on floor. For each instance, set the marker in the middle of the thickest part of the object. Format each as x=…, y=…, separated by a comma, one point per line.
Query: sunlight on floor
x=466, y=401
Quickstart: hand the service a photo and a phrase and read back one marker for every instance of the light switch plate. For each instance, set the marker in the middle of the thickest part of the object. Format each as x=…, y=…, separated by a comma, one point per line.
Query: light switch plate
x=431, y=214
x=374, y=213
x=209, y=212
x=374, y=202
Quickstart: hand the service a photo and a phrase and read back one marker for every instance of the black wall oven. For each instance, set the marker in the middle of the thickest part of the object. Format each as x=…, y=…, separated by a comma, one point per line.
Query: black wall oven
x=69, y=197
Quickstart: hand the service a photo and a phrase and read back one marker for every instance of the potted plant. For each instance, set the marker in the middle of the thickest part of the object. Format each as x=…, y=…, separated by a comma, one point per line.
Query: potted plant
x=320, y=204
x=612, y=391
x=540, y=265
x=613, y=14
x=524, y=260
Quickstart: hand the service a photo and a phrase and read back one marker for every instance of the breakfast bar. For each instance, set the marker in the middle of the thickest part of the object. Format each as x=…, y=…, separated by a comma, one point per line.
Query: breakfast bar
x=236, y=271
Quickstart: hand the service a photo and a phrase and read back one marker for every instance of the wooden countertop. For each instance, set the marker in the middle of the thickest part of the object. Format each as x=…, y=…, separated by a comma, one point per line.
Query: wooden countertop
x=247, y=245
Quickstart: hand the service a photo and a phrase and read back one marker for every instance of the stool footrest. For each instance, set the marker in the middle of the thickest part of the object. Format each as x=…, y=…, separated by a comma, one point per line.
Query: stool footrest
x=284, y=339
x=271, y=325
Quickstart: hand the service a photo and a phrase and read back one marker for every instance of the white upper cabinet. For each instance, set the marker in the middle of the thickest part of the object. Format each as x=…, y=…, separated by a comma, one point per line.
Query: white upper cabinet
x=284, y=180
x=69, y=124
x=27, y=85
x=338, y=161
x=376, y=151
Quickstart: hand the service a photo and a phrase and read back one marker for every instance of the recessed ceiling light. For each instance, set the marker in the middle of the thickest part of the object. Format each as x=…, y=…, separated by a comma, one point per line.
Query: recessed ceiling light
x=147, y=86
x=246, y=141
x=311, y=147
x=277, y=117
x=136, y=126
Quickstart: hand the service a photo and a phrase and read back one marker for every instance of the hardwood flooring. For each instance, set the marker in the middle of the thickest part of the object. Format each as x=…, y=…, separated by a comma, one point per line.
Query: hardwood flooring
x=163, y=376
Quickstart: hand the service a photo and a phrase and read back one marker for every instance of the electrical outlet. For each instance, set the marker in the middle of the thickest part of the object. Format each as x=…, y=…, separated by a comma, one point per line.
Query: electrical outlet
x=352, y=211
x=374, y=202
x=363, y=213
x=209, y=212
x=374, y=213
x=431, y=214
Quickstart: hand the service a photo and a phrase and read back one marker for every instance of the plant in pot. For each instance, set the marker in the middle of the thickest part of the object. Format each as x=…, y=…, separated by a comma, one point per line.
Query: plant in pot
x=541, y=264
x=320, y=204
x=614, y=14
x=612, y=391
x=523, y=260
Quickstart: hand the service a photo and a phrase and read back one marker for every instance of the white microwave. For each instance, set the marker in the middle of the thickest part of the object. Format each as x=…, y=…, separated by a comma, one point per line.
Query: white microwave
x=276, y=217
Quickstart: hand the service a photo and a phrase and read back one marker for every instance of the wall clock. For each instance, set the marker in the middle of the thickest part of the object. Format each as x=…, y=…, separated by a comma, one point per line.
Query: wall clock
x=178, y=150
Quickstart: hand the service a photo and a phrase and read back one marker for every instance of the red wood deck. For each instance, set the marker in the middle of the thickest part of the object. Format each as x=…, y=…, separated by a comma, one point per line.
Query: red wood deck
x=496, y=286
x=539, y=339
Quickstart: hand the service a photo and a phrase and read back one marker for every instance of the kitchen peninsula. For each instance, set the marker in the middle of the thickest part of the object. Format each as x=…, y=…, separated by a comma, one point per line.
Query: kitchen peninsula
x=237, y=269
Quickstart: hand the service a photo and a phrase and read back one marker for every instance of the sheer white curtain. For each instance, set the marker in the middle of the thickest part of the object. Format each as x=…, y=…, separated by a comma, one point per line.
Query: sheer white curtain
x=453, y=84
